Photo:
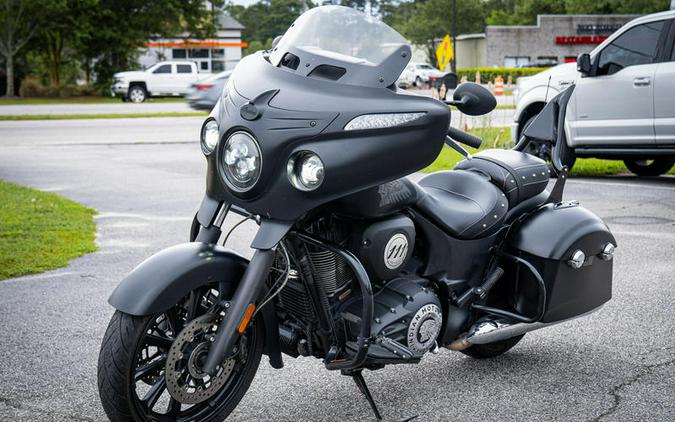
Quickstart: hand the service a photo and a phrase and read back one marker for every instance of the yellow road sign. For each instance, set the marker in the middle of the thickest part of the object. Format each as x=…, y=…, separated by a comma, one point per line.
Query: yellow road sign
x=444, y=52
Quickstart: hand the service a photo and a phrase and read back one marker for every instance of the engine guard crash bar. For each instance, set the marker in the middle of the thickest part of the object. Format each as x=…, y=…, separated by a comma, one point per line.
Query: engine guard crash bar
x=363, y=341
x=541, y=304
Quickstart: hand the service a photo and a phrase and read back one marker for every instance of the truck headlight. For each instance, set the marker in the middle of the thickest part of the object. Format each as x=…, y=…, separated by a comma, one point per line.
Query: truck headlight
x=242, y=161
x=209, y=136
x=305, y=170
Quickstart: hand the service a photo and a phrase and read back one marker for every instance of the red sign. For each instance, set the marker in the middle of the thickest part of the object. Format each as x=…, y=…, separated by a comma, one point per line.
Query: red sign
x=584, y=39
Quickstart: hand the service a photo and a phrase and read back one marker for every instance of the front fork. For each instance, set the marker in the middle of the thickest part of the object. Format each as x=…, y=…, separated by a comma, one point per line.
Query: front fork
x=207, y=229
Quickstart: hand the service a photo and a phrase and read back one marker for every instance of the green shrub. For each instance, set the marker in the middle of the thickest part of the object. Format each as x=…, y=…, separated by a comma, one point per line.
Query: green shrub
x=68, y=91
x=86, y=90
x=31, y=87
x=490, y=73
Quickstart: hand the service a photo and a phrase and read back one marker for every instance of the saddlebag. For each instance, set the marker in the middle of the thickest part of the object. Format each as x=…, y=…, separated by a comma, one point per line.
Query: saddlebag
x=572, y=250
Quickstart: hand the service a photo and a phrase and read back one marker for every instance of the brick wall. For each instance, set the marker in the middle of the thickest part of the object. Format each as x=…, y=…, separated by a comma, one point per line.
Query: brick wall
x=540, y=40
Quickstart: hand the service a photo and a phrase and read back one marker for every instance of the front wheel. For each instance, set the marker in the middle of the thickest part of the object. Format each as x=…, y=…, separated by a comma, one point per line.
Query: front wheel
x=655, y=167
x=149, y=367
x=137, y=94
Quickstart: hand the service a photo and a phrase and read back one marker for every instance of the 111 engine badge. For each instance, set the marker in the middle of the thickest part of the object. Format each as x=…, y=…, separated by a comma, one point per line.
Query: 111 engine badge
x=395, y=251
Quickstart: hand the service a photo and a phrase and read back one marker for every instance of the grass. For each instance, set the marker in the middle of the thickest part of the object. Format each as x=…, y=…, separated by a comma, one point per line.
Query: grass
x=100, y=116
x=78, y=100
x=500, y=137
x=40, y=231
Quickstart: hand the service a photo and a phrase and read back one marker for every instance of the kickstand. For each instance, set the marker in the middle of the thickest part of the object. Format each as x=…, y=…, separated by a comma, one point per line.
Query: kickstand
x=357, y=376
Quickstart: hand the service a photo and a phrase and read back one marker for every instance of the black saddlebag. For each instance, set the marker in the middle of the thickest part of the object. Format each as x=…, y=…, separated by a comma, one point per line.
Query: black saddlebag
x=550, y=240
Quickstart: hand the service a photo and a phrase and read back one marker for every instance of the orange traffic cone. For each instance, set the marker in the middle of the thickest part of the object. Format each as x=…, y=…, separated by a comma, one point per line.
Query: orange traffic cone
x=499, y=85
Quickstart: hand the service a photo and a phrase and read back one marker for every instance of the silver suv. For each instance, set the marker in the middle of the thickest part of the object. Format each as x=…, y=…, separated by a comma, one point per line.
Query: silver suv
x=623, y=107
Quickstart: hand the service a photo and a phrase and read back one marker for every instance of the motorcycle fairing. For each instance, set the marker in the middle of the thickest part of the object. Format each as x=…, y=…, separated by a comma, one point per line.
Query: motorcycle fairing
x=308, y=114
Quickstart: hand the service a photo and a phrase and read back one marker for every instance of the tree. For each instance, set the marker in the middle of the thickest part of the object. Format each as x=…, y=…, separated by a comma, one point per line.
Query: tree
x=432, y=19
x=18, y=24
x=116, y=30
x=265, y=20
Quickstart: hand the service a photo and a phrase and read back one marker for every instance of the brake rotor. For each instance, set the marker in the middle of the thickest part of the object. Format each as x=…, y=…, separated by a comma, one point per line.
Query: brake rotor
x=185, y=379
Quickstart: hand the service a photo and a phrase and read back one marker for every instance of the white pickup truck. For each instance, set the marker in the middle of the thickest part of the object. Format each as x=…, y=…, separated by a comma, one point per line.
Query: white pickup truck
x=623, y=106
x=163, y=79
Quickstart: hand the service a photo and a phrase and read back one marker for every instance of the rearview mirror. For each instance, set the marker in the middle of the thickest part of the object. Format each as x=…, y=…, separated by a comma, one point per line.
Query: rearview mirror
x=584, y=64
x=473, y=99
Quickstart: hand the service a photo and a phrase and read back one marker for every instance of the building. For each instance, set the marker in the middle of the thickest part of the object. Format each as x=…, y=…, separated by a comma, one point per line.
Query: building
x=554, y=39
x=212, y=55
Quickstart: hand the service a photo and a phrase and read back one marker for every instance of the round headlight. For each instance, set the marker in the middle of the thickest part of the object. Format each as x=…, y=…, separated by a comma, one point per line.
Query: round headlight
x=241, y=161
x=209, y=137
x=305, y=171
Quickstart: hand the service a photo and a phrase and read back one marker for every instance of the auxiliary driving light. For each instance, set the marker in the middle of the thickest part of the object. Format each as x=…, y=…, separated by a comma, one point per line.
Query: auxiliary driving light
x=209, y=136
x=305, y=171
x=241, y=161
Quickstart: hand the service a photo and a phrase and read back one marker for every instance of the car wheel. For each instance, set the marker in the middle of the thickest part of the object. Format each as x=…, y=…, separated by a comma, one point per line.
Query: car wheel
x=137, y=94
x=655, y=167
x=418, y=82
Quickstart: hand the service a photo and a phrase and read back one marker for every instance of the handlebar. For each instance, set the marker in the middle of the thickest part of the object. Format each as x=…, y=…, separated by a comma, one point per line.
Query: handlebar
x=465, y=138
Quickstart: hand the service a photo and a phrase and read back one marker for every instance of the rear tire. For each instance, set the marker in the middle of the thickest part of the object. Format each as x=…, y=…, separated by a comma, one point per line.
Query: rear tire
x=649, y=168
x=491, y=350
x=123, y=357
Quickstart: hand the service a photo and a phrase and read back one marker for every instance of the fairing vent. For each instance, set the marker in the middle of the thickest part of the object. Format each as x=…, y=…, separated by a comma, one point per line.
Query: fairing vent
x=327, y=72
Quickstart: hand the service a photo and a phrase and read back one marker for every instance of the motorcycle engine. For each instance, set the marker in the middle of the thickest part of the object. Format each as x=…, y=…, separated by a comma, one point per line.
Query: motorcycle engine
x=405, y=311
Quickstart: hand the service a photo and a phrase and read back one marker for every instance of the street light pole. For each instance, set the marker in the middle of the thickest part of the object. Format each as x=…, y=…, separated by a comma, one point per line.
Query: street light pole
x=453, y=64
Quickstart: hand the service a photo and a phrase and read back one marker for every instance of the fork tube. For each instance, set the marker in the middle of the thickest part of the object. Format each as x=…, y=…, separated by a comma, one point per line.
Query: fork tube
x=246, y=294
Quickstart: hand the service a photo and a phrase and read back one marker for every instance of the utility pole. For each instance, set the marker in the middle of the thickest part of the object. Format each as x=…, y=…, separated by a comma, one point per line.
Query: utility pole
x=453, y=64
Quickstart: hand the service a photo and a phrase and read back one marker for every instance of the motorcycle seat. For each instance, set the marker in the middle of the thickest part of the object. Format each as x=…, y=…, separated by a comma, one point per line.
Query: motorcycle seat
x=519, y=175
x=465, y=204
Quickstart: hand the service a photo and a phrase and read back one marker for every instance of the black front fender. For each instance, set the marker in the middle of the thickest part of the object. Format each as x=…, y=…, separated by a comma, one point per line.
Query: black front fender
x=160, y=281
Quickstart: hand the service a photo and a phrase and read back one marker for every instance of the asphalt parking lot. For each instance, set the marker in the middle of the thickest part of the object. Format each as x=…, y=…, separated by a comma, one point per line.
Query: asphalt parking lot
x=145, y=177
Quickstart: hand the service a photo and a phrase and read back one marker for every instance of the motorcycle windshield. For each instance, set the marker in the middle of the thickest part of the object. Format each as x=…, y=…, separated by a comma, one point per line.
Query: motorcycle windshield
x=340, y=34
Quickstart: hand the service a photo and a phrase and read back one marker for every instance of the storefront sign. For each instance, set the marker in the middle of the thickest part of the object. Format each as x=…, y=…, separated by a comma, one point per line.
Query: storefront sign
x=594, y=29
x=575, y=40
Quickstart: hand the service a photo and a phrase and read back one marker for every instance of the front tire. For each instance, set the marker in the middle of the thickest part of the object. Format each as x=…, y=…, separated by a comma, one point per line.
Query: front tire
x=137, y=94
x=650, y=168
x=491, y=350
x=132, y=376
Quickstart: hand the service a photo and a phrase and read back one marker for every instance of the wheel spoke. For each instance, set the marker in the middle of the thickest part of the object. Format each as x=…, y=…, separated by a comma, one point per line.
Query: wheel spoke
x=174, y=322
x=158, y=341
x=174, y=406
x=192, y=304
x=151, y=367
x=154, y=393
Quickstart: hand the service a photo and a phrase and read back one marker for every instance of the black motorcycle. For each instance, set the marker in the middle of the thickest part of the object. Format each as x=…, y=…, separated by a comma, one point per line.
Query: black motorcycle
x=354, y=263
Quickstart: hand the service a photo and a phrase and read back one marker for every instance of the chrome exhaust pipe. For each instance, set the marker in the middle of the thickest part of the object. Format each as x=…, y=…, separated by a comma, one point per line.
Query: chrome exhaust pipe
x=492, y=330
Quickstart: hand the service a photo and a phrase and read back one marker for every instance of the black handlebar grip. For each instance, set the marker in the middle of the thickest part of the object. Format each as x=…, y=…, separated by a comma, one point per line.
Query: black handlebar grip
x=465, y=138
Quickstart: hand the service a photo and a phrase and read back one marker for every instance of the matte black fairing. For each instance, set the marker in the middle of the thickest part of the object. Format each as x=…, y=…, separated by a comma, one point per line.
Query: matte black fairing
x=287, y=112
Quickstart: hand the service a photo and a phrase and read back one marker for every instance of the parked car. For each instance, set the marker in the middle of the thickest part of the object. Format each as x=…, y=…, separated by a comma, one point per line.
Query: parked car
x=204, y=94
x=623, y=106
x=163, y=79
x=418, y=74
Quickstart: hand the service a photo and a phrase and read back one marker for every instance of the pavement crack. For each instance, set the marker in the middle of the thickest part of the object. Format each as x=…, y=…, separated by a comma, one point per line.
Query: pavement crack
x=14, y=404
x=615, y=390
